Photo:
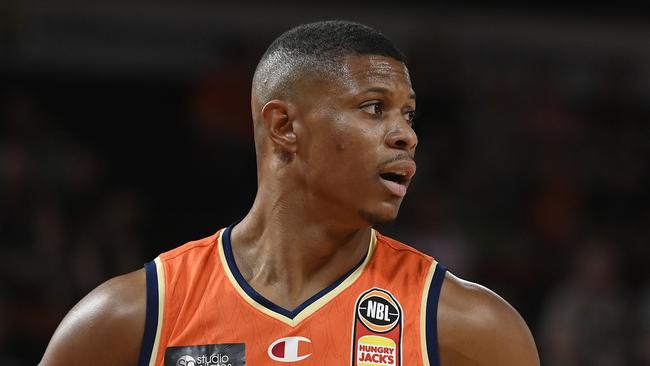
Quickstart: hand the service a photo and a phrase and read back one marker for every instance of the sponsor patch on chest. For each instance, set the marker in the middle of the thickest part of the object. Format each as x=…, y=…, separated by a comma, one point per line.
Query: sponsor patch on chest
x=377, y=329
x=231, y=354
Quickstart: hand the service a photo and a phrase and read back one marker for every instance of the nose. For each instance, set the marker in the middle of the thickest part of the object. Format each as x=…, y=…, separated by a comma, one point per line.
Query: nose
x=402, y=137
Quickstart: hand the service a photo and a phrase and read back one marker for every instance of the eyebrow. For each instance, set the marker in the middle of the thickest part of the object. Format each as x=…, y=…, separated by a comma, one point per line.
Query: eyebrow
x=381, y=90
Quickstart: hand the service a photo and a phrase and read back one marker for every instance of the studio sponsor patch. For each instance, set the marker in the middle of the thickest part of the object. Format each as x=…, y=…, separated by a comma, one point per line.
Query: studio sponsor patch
x=377, y=329
x=231, y=354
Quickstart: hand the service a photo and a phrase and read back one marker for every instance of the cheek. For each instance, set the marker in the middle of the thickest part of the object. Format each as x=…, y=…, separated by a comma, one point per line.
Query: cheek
x=353, y=152
x=349, y=136
x=345, y=145
x=335, y=139
x=339, y=134
x=343, y=150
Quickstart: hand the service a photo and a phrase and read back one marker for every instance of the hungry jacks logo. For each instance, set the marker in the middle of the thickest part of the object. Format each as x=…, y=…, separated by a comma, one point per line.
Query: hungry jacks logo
x=377, y=329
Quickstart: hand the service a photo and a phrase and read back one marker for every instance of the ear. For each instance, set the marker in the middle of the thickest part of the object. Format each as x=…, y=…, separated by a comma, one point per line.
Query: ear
x=278, y=119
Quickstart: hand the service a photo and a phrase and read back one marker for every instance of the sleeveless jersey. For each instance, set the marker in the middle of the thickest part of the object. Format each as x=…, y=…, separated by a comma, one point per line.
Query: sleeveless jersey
x=202, y=312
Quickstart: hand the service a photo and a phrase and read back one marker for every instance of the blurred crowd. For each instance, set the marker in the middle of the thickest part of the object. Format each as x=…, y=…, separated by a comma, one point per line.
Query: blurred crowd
x=63, y=228
x=529, y=182
x=539, y=189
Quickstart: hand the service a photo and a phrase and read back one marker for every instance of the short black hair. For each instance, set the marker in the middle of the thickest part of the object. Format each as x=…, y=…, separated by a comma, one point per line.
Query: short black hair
x=317, y=47
x=334, y=38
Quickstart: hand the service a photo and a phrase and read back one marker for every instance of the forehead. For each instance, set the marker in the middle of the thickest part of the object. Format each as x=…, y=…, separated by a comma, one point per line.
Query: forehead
x=360, y=72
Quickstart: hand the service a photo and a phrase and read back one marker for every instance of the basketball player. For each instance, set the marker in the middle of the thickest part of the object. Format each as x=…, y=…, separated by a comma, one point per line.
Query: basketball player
x=303, y=278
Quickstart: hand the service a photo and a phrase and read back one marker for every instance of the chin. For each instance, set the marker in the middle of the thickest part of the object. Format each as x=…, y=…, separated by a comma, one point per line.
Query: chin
x=379, y=217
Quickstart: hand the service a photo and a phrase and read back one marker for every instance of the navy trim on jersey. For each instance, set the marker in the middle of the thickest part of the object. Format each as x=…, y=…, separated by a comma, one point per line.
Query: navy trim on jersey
x=151, y=320
x=432, y=314
x=230, y=259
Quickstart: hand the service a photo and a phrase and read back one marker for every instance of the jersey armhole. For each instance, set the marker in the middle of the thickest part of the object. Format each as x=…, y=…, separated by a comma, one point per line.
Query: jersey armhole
x=153, y=318
x=431, y=296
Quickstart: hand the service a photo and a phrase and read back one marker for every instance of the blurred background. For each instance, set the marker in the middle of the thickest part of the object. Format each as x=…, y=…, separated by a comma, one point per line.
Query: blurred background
x=125, y=131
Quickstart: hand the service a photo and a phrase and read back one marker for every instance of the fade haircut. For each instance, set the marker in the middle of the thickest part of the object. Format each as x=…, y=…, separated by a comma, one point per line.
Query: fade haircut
x=313, y=49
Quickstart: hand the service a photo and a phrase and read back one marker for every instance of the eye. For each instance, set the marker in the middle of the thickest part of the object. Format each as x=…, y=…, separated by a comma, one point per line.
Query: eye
x=375, y=108
x=410, y=117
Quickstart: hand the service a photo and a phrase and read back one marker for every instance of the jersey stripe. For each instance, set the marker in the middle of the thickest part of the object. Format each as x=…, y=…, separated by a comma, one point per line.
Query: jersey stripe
x=160, y=271
x=291, y=318
x=151, y=319
x=432, y=315
x=423, y=312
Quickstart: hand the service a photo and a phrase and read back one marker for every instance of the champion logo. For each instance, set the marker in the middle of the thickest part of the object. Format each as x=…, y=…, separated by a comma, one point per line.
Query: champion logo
x=287, y=349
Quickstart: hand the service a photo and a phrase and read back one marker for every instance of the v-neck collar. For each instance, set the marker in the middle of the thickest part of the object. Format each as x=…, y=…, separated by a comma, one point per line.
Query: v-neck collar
x=304, y=310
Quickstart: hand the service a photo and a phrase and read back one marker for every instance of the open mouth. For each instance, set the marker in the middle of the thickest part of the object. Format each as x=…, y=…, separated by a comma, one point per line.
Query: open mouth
x=396, y=182
x=396, y=177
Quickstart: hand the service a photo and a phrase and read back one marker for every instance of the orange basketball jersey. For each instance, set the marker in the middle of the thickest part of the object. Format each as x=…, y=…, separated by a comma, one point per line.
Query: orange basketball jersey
x=202, y=312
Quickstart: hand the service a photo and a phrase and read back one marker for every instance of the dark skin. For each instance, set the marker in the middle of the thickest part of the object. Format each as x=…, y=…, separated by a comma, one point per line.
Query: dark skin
x=303, y=231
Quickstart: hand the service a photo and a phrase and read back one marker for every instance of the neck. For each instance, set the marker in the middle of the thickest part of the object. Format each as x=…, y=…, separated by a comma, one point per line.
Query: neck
x=287, y=254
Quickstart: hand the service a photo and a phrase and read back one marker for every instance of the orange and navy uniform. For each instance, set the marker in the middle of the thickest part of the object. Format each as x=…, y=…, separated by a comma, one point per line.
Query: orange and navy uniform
x=202, y=312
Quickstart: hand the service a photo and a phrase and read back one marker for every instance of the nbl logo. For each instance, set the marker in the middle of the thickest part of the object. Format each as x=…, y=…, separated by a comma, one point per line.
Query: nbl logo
x=377, y=338
x=378, y=310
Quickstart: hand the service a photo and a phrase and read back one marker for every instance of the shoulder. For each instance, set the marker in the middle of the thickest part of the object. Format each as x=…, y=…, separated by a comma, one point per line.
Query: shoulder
x=106, y=326
x=398, y=250
x=193, y=249
x=478, y=327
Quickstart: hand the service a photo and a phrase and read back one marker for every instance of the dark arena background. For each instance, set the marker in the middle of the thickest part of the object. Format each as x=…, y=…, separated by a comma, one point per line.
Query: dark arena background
x=125, y=131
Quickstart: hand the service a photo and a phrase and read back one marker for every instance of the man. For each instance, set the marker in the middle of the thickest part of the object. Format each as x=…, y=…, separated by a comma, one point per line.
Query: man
x=304, y=277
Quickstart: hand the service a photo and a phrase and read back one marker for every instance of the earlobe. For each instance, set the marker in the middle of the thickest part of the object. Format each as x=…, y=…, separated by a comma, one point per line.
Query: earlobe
x=277, y=117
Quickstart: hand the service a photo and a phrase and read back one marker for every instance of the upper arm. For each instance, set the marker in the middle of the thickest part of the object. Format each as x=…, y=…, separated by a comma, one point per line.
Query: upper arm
x=477, y=327
x=106, y=326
